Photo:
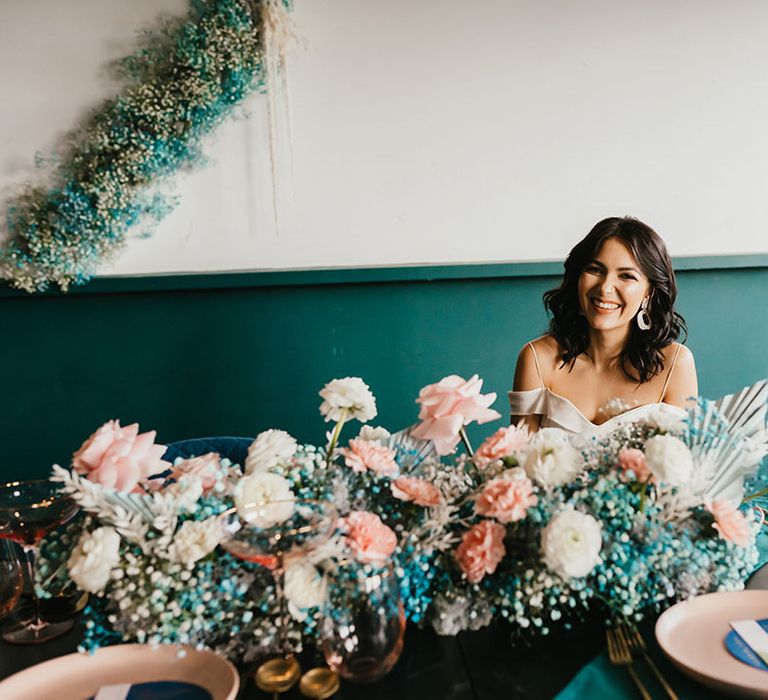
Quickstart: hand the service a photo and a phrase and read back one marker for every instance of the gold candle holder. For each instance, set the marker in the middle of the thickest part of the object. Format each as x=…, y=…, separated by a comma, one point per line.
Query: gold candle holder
x=319, y=683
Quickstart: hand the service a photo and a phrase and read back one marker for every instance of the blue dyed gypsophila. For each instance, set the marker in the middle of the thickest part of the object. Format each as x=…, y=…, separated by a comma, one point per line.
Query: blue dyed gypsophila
x=538, y=534
x=186, y=78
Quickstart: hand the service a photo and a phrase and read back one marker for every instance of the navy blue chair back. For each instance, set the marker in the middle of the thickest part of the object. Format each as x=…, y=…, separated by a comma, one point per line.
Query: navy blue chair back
x=233, y=448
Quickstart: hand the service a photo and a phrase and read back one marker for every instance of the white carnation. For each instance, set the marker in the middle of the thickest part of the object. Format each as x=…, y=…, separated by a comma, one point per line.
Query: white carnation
x=305, y=588
x=571, y=543
x=194, y=540
x=93, y=559
x=666, y=420
x=269, y=495
x=669, y=459
x=269, y=449
x=551, y=460
x=368, y=432
x=349, y=396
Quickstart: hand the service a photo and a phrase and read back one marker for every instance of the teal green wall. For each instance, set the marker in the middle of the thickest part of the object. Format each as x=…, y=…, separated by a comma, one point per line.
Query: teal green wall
x=237, y=353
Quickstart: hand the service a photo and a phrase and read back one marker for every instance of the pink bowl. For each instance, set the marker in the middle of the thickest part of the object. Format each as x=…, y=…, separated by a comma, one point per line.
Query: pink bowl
x=78, y=676
x=692, y=635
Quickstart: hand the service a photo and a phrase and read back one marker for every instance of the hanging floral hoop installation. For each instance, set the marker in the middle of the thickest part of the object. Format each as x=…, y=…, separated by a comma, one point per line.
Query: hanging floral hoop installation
x=187, y=78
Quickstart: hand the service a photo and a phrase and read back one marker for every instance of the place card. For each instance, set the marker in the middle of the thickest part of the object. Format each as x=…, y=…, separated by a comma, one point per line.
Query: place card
x=754, y=636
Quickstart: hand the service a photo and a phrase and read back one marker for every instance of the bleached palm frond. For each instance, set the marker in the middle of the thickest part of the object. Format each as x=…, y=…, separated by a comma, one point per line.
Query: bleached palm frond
x=411, y=451
x=727, y=439
x=746, y=409
x=132, y=514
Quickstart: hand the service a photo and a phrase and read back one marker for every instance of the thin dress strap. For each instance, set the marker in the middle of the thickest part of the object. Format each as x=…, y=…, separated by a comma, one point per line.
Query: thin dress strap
x=669, y=374
x=538, y=368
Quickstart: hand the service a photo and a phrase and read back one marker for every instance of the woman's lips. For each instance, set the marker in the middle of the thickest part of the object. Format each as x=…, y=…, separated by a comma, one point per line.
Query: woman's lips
x=606, y=307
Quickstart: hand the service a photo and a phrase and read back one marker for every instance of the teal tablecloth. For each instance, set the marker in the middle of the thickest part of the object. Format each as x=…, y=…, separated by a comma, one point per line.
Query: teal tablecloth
x=601, y=680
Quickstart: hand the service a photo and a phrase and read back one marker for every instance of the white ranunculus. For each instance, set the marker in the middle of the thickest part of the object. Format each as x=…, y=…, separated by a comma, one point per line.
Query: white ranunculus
x=571, y=543
x=350, y=396
x=269, y=449
x=269, y=496
x=305, y=588
x=551, y=460
x=194, y=540
x=666, y=420
x=377, y=434
x=669, y=459
x=93, y=559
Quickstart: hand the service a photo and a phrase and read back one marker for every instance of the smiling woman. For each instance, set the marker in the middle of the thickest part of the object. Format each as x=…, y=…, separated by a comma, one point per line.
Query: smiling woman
x=611, y=348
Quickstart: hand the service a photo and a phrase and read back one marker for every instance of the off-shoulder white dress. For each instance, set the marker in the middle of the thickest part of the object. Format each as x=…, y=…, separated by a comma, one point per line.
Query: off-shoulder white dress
x=558, y=412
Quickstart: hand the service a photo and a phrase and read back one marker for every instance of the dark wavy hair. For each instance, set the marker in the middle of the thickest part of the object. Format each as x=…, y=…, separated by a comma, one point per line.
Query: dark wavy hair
x=641, y=359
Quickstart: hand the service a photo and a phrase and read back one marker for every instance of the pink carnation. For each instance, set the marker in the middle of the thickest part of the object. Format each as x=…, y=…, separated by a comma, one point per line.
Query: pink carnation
x=504, y=442
x=481, y=550
x=729, y=522
x=447, y=406
x=369, y=539
x=631, y=459
x=205, y=467
x=409, y=488
x=506, y=499
x=362, y=455
x=118, y=457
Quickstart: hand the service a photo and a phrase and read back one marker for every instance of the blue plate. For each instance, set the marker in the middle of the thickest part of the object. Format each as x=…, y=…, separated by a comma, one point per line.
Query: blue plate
x=741, y=650
x=166, y=690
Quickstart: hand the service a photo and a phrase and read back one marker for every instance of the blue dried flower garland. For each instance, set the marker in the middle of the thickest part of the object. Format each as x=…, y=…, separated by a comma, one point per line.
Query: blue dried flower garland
x=181, y=86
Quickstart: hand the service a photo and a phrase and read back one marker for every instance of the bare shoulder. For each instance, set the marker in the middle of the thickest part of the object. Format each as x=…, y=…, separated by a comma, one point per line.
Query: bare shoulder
x=681, y=356
x=533, y=362
x=683, y=382
x=678, y=349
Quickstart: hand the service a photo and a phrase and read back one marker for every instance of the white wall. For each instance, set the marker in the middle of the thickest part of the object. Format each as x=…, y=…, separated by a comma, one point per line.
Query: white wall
x=438, y=131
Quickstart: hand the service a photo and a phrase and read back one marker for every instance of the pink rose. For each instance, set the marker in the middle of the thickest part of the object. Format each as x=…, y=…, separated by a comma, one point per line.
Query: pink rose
x=369, y=539
x=481, y=550
x=409, y=488
x=504, y=442
x=89, y=455
x=729, y=522
x=634, y=460
x=362, y=455
x=205, y=467
x=447, y=406
x=118, y=457
x=506, y=498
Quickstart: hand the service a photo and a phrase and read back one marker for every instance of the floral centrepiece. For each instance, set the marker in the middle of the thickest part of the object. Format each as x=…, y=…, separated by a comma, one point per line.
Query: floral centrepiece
x=534, y=528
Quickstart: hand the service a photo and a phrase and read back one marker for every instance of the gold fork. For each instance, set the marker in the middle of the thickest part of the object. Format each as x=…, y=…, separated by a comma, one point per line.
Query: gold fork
x=618, y=654
x=636, y=645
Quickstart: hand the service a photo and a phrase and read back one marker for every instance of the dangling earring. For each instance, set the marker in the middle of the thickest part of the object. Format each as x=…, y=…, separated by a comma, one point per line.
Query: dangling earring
x=643, y=317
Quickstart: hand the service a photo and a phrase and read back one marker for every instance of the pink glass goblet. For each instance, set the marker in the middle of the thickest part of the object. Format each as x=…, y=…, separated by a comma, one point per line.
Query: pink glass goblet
x=11, y=578
x=28, y=511
x=272, y=534
x=363, y=621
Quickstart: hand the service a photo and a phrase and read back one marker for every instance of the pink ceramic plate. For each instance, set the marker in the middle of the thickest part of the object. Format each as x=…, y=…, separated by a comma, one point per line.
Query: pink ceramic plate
x=78, y=676
x=691, y=634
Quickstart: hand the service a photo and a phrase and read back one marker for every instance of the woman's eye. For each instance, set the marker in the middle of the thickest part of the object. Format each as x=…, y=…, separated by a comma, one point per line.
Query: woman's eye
x=627, y=276
x=592, y=269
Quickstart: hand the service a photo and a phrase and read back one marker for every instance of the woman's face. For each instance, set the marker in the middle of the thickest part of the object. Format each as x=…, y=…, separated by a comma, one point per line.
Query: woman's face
x=612, y=287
